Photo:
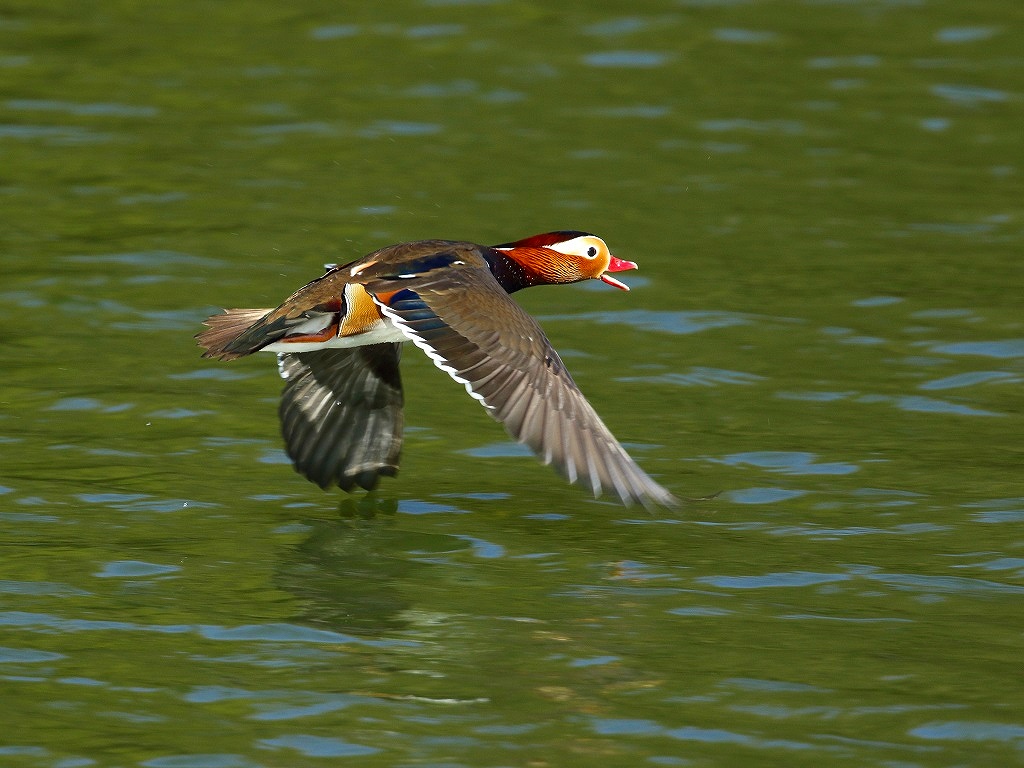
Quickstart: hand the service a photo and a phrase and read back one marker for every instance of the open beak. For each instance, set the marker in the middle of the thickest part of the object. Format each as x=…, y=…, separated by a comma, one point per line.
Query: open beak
x=617, y=265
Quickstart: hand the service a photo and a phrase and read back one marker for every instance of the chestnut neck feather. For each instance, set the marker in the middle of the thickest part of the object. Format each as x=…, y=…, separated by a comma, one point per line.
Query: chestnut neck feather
x=528, y=267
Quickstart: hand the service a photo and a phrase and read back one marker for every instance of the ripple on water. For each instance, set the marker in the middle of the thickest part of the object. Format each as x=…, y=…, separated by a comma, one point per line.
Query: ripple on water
x=698, y=610
x=273, y=632
x=833, y=62
x=130, y=569
x=47, y=588
x=935, y=124
x=774, y=686
x=969, y=95
x=276, y=632
x=814, y=397
x=788, y=462
x=926, y=586
x=201, y=760
x=724, y=148
x=999, y=564
x=999, y=510
x=942, y=314
x=627, y=59
x=699, y=376
x=669, y=322
x=877, y=301
x=928, y=405
x=784, y=127
x=55, y=134
x=274, y=456
x=451, y=88
x=965, y=34
x=594, y=661
x=177, y=413
x=774, y=580
x=88, y=404
x=335, y=31
x=961, y=730
x=418, y=507
x=218, y=374
x=504, y=449
x=482, y=548
x=624, y=25
x=318, y=746
x=910, y=403
x=78, y=108
x=733, y=35
x=23, y=299
x=970, y=379
x=941, y=585
x=132, y=502
x=822, y=532
x=434, y=30
x=381, y=128
x=291, y=711
x=763, y=495
x=642, y=111
x=1004, y=348
x=27, y=656
x=24, y=517
x=637, y=727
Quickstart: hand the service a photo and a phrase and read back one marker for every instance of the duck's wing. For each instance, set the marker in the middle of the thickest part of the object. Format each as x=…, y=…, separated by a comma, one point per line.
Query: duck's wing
x=469, y=326
x=341, y=414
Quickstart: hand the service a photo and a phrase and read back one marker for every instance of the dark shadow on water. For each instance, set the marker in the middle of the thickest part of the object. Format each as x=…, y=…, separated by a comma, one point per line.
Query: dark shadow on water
x=367, y=507
x=349, y=571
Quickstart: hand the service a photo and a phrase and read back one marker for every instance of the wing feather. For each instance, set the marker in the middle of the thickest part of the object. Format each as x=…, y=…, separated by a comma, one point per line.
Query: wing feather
x=504, y=360
x=341, y=414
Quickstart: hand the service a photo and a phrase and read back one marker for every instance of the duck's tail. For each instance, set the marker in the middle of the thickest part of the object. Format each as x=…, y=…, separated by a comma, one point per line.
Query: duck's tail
x=233, y=333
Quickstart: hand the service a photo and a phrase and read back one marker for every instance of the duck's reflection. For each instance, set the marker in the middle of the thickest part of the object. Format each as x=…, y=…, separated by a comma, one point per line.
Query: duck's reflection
x=350, y=570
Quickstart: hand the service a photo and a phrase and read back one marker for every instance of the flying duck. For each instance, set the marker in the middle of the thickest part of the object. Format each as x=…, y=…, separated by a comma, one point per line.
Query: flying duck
x=338, y=341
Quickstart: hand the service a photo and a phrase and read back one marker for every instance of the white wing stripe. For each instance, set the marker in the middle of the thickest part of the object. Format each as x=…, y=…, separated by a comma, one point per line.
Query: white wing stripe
x=432, y=353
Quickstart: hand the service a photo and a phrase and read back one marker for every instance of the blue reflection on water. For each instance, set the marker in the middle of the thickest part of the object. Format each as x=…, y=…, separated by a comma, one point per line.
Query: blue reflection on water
x=318, y=746
x=788, y=462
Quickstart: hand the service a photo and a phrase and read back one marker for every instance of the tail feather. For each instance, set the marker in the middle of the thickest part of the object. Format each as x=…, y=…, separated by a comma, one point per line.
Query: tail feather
x=225, y=330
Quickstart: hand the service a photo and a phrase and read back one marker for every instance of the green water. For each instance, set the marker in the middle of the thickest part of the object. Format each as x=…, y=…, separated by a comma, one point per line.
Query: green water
x=825, y=200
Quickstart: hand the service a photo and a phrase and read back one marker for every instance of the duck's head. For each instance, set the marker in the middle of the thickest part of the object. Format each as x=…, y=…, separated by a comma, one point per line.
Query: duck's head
x=566, y=257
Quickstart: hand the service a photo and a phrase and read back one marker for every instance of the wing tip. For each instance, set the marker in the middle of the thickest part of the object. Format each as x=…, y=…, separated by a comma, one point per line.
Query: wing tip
x=350, y=482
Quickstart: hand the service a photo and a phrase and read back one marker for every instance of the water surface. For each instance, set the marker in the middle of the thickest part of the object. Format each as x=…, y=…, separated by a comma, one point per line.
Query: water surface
x=825, y=201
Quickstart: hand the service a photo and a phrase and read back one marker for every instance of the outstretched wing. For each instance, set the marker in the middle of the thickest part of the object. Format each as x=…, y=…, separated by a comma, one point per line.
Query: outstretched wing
x=475, y=332
x=341, y=414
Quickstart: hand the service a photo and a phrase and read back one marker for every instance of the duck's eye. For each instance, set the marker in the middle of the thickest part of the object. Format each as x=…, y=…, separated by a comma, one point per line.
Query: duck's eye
x=591, y=252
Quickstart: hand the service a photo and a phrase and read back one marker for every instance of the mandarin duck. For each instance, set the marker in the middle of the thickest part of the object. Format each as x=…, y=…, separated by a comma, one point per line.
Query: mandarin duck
x=338, y=341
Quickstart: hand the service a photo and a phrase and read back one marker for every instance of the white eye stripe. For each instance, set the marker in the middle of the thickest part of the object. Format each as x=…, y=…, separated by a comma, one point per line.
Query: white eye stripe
x=585, y=246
